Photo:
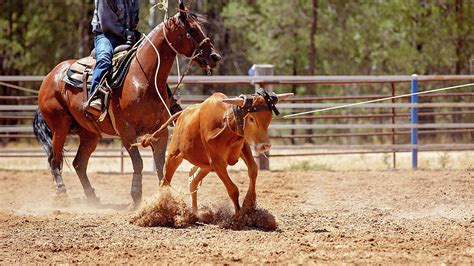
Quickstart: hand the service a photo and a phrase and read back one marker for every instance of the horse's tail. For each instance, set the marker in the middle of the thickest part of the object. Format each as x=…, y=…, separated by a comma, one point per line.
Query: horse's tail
x=43, y=134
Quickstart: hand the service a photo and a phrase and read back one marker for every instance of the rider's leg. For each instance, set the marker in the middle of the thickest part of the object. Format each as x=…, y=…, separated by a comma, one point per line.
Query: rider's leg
x=104, y=47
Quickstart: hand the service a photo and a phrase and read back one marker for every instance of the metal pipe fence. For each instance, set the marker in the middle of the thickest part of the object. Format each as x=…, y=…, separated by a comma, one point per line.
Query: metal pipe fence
x=357, y=124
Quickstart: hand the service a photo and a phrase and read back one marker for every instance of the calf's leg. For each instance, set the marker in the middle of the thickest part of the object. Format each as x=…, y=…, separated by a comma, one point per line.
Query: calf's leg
x=220, y=168
x=251, y=196
x=194, y=184
x=173, y=160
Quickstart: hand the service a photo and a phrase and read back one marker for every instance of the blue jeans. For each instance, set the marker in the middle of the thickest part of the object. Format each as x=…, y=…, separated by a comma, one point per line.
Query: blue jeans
x=104, y=48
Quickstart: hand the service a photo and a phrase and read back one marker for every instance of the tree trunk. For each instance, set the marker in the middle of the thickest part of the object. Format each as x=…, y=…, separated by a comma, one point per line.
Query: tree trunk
x=151, y=18
x=461, y=59
x=312, y=44
x=461, y=62
x=312, y=55
x=293, y=88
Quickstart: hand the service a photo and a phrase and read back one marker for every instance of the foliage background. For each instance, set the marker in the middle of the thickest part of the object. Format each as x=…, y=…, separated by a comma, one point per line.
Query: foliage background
x=299, y=37
x=360, y=37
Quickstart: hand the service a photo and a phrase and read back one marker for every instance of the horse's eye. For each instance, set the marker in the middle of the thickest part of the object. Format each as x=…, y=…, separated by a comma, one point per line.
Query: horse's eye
x=188, y=35
x=252, y=120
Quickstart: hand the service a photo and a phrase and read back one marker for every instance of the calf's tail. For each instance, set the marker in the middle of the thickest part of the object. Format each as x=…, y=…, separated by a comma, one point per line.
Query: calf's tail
x=148, y=139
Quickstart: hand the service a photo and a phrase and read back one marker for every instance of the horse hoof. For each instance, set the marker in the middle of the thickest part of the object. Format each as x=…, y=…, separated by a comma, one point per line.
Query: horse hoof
x=61, y=190
x=137, y=198
x=93, y=200
x=61, y=199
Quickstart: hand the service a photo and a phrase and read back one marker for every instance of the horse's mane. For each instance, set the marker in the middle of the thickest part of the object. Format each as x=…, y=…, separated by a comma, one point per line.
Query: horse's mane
x=196, y=18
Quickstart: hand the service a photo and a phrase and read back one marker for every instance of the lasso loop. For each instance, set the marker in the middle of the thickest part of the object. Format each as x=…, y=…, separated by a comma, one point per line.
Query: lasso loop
x=161, y=5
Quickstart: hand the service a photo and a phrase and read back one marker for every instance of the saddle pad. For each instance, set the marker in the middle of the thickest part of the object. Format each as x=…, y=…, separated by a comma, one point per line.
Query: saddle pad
x=74, y=75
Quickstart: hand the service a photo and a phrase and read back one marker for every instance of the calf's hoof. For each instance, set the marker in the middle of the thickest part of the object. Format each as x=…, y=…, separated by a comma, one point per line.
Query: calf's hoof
x=249, y=204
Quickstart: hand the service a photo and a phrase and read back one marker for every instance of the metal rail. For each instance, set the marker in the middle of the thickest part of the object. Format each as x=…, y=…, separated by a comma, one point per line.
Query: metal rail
x=13, y=112
x=245, y=80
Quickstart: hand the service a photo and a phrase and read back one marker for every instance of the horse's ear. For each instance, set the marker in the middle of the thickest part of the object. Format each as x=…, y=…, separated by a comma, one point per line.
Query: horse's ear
x=182, y=10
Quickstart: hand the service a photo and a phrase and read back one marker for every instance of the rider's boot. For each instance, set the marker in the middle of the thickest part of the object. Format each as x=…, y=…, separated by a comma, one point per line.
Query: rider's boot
x=96, y=104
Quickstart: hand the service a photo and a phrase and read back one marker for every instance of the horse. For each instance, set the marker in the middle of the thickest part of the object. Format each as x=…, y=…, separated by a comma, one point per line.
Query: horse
x=139, y=106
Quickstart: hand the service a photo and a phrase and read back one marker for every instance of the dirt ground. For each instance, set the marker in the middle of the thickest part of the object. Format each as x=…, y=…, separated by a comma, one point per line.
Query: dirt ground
x=323, y=216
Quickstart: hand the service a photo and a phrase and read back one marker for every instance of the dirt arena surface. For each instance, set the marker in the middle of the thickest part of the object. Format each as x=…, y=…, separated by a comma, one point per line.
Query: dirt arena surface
x=323, y=216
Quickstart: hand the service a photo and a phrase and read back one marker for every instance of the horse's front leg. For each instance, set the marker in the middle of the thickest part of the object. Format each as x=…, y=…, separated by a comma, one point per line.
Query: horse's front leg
x=159, y=153
x=137, y=162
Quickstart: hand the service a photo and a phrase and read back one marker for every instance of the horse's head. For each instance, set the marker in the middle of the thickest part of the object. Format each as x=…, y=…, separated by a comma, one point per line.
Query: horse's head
x=186, y=37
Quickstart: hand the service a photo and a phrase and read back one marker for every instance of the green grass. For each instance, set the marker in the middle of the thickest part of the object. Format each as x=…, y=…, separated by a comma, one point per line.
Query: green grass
x=308, y=166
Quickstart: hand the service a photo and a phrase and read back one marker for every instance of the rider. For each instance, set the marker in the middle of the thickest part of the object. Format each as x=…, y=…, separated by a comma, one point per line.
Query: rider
x=114, y=23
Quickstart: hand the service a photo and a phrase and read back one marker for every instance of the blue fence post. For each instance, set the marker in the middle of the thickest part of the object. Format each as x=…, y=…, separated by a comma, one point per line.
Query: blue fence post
x=414, y=122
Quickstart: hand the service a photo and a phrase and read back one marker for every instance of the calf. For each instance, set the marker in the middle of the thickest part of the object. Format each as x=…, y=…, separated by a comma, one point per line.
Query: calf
x=215, y=133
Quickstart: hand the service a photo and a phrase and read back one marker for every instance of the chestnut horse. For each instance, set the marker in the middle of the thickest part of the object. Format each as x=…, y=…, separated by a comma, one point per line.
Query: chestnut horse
x=137, y=108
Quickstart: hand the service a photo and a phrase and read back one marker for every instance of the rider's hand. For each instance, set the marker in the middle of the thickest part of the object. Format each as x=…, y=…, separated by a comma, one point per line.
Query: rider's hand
x=138, y=35
x=130, y=37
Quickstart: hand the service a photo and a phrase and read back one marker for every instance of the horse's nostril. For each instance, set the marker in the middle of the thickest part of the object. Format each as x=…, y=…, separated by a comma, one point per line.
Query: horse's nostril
x=215, y=57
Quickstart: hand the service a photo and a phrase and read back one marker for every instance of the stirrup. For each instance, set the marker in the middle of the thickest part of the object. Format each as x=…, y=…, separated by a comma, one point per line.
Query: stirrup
x=90, y=108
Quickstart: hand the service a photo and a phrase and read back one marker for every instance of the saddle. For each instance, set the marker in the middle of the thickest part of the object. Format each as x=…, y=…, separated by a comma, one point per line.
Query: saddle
x=79, y=73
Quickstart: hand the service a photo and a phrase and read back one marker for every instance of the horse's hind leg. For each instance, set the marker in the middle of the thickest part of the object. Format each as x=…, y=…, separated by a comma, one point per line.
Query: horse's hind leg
x=60, y=132
x=88, y=143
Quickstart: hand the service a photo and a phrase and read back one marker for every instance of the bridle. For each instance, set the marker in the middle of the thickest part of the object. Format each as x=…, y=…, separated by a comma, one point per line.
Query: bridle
x=196, y=53
x=197, y=45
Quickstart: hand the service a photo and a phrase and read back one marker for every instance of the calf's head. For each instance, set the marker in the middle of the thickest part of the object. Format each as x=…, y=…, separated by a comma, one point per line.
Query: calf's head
x=253, y=114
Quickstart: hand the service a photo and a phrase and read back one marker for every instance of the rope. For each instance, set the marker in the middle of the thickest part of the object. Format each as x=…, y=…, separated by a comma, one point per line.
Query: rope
x=193, y=56
x=8, y=85
x=378, y=100
x=156, y=74
x=179, y=78
x=161, y=5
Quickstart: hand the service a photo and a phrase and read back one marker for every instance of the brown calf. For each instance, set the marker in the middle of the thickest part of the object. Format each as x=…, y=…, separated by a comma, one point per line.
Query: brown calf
x=215, y=133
